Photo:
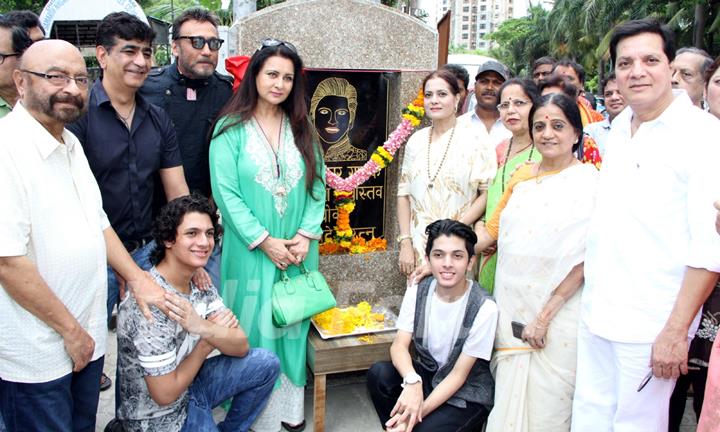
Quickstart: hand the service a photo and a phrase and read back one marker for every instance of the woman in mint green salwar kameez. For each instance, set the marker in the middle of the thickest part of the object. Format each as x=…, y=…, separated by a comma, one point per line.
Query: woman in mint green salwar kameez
x=510, y=153
x=258, y=174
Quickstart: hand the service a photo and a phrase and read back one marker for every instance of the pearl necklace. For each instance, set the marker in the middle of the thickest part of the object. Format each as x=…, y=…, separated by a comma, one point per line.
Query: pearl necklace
x=431, y=180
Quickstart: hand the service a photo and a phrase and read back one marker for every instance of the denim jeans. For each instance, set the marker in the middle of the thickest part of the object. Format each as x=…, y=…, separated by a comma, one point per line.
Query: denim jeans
x=213, y=266
x=67, y=404
x=142, y=259
x=384, y=385
x=247, y=380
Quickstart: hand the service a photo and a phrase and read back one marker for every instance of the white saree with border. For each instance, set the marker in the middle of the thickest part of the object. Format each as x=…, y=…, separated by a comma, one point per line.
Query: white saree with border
x=542, y=236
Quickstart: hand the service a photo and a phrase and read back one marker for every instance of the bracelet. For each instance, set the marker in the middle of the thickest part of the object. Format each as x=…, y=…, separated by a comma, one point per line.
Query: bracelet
x=403, y=237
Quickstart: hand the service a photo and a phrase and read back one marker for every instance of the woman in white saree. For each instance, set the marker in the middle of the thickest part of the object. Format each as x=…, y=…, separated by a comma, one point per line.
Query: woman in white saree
x=540, y=226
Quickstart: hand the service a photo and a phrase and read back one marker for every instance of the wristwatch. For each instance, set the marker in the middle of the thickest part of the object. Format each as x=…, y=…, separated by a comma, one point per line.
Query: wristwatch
x=411, y=378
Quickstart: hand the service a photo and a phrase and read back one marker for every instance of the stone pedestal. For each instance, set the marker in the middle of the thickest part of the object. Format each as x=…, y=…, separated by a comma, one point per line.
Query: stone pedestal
x=354, y=35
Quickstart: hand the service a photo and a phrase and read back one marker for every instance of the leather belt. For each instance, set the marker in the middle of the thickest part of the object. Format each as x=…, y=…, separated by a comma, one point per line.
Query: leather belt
x=133, y=245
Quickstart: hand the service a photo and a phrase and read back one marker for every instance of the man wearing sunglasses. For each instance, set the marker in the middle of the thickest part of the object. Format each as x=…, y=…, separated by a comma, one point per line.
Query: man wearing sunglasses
x=13, y=42
x=192, y=92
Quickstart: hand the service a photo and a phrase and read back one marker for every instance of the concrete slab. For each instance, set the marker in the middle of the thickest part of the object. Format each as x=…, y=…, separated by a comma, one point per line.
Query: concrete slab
x=348, y=409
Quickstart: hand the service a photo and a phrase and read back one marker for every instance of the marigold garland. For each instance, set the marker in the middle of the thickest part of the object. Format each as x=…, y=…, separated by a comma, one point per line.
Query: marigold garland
x=343, y=240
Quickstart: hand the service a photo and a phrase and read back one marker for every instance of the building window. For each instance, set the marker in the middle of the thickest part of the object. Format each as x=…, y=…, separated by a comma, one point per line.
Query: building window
x=465, y=36
x=466, y=8
x=483, y=8
x=465, y=27
x=465, y=18
x=482, y=26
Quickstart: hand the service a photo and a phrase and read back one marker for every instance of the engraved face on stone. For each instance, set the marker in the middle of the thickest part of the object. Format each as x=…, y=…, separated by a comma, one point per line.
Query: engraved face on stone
x=332, y=108
x=332, y=118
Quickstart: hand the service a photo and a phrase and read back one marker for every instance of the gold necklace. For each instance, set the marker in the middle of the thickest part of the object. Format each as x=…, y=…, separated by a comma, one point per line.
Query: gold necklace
x=431, y=180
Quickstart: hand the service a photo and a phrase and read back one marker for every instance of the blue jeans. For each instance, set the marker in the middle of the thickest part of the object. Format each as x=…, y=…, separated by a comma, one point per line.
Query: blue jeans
x=248, y=381
x=142, y=259
x=67, y=404
x=213, y=266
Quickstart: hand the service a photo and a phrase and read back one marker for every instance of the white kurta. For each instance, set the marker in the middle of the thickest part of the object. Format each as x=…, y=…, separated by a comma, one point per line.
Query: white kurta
x=52, y=213
x=469, y=165
x=654, y=218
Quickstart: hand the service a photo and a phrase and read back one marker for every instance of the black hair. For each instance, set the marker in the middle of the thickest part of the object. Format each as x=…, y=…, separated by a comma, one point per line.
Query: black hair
x=711, y=71
x=636, y=27
x=171, y=216
x=707, y=60
x=569, y=108
x=449, y=227
x=460, y=73
x=25, y=19
x=241, y=106
x=447, y=76
x=610, y=77
x=577, y=67
x=545, y=60
x=122, y=25
x=529, y=88
x=193, y=14
x=19, y=36
x=558, y=81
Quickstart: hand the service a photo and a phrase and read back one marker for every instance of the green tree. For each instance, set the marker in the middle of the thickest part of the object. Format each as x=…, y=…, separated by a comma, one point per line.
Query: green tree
x=521, y=40
x=31, y=5
x=581, y=30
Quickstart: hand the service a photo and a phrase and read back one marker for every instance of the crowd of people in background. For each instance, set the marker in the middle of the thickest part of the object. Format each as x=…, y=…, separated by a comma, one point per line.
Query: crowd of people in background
x=562, y=262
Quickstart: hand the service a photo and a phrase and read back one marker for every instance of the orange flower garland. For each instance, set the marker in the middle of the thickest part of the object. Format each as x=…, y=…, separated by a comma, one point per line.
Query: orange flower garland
x=343, y=240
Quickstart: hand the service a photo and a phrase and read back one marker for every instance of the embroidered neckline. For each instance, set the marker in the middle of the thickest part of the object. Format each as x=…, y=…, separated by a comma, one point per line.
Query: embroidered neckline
x=287, y=161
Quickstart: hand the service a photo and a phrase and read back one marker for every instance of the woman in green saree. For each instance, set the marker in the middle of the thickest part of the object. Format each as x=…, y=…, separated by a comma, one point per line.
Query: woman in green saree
x=515, y=99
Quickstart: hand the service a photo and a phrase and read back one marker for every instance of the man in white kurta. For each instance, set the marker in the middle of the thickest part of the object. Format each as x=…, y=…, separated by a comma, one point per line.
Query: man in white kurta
x=55, y=242
x=652, y=255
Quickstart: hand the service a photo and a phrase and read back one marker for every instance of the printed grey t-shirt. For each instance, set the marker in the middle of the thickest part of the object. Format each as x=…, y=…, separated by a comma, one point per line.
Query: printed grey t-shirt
x=153, y=349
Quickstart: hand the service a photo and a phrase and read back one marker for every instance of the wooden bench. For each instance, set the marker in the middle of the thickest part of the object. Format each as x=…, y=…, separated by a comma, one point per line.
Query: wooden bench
x=345, y=354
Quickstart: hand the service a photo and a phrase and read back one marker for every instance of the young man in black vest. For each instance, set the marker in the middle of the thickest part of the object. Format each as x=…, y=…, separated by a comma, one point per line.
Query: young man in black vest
x=450, y=322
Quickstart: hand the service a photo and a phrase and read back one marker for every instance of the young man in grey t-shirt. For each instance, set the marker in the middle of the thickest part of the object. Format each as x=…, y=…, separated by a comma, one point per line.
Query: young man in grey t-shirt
x=167, y=382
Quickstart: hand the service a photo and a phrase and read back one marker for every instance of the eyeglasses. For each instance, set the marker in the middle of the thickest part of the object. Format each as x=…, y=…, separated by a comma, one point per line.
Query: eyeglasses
x=3, y=56
x=517, y=103
x=270, y=42
x=198, y=42
x=61, y=80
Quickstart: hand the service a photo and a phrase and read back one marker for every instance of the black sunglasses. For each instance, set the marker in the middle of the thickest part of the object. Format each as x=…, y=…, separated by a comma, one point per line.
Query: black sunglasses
x=270, y=42
x=198, y=42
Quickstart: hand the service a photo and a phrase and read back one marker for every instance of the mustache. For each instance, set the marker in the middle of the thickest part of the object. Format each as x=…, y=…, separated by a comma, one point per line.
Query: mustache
x=489, y=93
x=73, y=100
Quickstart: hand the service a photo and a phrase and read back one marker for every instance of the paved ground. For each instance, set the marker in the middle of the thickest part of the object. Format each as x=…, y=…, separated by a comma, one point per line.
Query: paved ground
x=348, y=405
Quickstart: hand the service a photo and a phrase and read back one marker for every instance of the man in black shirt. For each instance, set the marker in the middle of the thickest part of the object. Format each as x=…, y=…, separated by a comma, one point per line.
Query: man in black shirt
x=192, y=92
x=127, y=140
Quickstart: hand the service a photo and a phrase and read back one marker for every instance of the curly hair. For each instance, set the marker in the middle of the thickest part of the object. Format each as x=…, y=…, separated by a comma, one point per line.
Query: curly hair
x=171, y=216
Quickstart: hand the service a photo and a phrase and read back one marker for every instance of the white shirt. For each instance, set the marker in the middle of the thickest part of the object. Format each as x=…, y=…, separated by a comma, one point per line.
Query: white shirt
x=599, y=132
x=653, y=218
x=52, y=213
x=444, y=324
x=497, y=133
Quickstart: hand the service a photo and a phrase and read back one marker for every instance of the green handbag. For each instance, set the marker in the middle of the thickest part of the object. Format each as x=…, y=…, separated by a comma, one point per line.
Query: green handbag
x=300, y=297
